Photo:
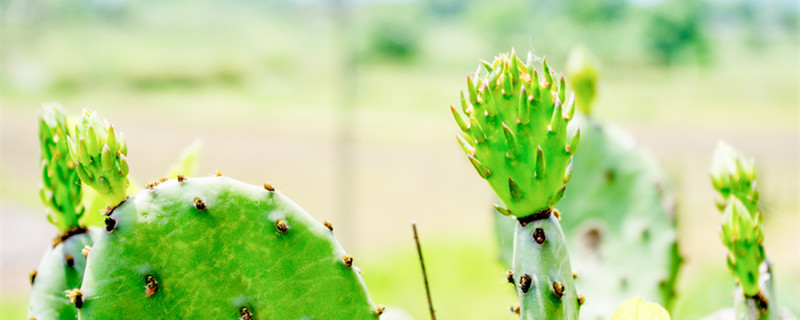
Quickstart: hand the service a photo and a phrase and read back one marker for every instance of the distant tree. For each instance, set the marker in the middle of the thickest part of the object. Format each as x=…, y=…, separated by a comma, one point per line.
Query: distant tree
x=675, y=31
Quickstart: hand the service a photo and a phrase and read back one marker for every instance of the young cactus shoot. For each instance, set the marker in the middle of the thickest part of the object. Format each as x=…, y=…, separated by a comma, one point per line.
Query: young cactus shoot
x=61, y=186
x=100, y=154
x=514, y=123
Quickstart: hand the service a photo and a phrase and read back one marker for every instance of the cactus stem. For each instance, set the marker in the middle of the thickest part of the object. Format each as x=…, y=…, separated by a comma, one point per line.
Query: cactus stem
x=348, y=260
x=151, y=286
x=110, y=224
x=269, y=187
x=199, y=204
x=282, y=226
x=525, y=283
x=328, y=225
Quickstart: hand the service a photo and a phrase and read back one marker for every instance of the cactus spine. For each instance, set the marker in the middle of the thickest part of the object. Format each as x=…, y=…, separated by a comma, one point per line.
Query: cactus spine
x=734, y=178
x=61, y=268
x=514, y=129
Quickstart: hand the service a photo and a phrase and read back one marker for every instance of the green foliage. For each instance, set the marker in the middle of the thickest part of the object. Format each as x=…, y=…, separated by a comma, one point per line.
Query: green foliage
x=395, y=39
x=636, y=309
x=218, y=248
x=676, y=31
x=61, y=186
x=100, y=157
x=514, y=131
x=60, y=269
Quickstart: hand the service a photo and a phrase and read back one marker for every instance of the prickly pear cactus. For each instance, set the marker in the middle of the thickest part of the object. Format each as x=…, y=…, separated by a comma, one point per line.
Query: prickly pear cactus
x=514, y=129
x=217, y=248
x=61, y=267
x=733, y=177
x=620, y=229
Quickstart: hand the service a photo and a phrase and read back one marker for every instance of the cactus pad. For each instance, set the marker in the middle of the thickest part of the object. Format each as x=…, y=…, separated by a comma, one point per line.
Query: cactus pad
x=542, y=276
x=61, y=269
x=61, y=186
x=514, y=122
x=216, y=248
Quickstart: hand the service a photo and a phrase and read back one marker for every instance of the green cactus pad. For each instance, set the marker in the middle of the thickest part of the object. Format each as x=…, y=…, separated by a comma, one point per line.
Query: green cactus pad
x=100, y=154
x=742, y=234
x=542, y=272
x=61, y=186
x=514, y=123
x=216, y=248
x=620, y=228
x=61, y=269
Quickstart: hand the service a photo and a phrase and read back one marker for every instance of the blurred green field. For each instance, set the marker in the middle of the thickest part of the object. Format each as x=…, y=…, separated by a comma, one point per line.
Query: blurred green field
x=262, y=85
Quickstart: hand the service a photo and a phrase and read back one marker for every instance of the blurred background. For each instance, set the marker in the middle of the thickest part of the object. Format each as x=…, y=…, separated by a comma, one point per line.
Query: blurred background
x=343, y=106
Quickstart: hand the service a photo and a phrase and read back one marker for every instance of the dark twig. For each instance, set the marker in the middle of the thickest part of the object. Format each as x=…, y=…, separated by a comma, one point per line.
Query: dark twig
x=424, y=274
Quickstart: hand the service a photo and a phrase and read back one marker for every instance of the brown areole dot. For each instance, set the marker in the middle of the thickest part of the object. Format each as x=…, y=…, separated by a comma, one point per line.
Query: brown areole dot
x=245, y=314
x=515, y=309
x=218, y=174
x=574, y=276
x=328, y=225
x=558, y=289
x=199, y=204
x=379, y=310
x=282, y=226
x=86, y=250
x=525, y=283
x=269, y=187
x=111, y=223
x=69, y=259
x=510, y=276
x=539, y=236
x=32, y=276
x=581, y=299
x=76, y=297
x=181, y=178
x=151, y=286
x=348, y=260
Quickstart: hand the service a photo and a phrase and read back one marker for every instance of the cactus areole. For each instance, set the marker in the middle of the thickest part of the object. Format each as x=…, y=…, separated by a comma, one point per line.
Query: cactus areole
x=217, y=248
x=515, y=130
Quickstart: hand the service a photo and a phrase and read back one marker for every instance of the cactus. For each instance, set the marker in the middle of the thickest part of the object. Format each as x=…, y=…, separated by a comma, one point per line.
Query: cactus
x=61, y=267
x=515, y=133
x=209, y=248
x=621, y=228
x=734, y=178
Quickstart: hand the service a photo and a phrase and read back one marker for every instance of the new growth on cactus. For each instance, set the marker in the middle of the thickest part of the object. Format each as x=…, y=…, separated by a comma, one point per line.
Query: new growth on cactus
x=61, y=267
x=99, y=153
x=514, y=129
x=734, y=178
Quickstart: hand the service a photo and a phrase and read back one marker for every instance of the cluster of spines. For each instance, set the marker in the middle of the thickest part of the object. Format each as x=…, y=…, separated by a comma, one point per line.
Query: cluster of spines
x=61, y=186
x=100, y=157
x=514, y=128
x=733, y=177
